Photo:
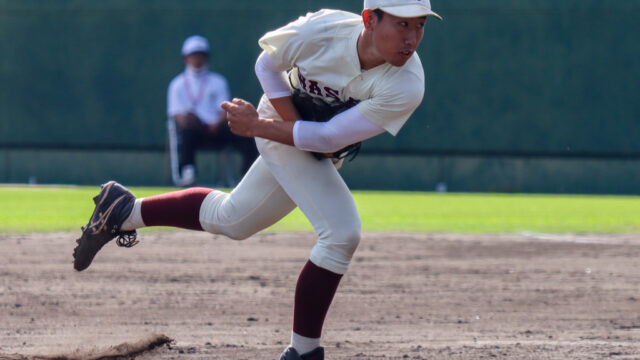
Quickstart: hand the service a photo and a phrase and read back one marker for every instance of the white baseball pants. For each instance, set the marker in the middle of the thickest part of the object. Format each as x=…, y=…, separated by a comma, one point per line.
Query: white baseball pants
x=282, y=178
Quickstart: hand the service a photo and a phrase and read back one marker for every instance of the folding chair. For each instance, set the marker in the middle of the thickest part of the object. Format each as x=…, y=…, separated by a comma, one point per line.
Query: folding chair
x=225, y=168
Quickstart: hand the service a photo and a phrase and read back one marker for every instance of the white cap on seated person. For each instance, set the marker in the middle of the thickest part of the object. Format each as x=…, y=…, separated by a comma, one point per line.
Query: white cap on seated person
x=194, y=44
x=402, y=8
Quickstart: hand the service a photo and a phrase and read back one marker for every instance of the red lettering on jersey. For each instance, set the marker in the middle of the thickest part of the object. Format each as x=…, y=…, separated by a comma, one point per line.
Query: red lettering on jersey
x=314, y=88
x=302, y=80
x=332, y=93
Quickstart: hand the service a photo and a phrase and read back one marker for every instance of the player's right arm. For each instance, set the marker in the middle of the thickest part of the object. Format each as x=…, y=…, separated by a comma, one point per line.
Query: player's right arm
x=274, y=84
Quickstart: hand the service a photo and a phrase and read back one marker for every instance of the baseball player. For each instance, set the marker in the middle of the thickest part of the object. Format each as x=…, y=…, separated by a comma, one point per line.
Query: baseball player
x=364, y=69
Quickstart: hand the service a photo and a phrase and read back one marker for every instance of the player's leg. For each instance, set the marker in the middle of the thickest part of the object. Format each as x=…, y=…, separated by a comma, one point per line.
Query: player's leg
x=256, y=203
x=319, y=191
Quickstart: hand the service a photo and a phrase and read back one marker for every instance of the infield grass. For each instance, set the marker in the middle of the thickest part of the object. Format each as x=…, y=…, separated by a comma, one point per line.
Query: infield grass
x=26, y=209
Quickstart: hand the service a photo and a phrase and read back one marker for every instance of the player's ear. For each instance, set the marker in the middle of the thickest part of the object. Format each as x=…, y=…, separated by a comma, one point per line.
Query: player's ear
x=369, y=18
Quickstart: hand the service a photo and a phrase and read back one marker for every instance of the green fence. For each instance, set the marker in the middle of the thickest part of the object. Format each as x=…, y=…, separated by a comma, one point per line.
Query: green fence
x=535, y=96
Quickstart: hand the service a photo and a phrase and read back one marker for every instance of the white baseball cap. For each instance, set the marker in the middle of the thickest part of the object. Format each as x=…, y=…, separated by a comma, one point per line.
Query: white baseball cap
x=402, y=8
x=194, y=44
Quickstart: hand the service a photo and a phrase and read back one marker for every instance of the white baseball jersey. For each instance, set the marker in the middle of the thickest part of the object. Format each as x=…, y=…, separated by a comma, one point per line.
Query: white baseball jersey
x=321, y=51
x=199, y=93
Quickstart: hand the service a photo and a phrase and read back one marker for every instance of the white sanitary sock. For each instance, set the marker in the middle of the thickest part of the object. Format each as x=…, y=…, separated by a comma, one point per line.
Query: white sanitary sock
x=303, y=344
x=134, y=221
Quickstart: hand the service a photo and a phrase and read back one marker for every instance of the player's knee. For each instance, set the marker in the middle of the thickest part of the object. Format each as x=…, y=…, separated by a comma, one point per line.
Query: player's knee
x=236, y=234
x=343, y=243
x=348, y=240
x=232, y=232
x=334, y=252
x=220, y=219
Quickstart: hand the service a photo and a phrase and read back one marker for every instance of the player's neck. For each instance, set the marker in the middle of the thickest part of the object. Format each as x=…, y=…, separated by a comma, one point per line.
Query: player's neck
x=367, y=54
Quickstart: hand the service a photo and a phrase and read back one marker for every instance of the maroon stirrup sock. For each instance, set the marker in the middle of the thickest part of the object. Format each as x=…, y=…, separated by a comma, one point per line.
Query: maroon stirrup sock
x=178, y=209
x=314, y=293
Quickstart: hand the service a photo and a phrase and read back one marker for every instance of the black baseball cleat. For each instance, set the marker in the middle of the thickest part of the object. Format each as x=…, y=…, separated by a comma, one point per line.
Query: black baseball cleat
x=113, y=206
x=291, y=354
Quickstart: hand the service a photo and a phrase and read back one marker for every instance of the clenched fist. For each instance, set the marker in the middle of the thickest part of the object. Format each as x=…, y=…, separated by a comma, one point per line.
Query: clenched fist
x=242, y=117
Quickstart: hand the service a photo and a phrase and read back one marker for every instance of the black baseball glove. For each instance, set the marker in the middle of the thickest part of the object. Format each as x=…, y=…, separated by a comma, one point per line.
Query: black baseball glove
x=315, y=109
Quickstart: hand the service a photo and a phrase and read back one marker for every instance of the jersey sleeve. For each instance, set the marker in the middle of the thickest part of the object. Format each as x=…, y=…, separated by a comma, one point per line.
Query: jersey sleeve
x=272, y=79
x=288, y=43
x=394, y=101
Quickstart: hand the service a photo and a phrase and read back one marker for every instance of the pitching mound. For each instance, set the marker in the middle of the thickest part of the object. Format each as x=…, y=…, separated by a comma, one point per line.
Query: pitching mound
x=126, y=350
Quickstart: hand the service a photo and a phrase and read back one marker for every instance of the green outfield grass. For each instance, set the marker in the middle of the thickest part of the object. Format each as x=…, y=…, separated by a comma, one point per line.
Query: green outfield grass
x=44, y=208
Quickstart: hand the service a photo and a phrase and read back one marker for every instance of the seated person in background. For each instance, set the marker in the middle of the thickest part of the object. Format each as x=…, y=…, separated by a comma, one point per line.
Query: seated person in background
x=193, y=100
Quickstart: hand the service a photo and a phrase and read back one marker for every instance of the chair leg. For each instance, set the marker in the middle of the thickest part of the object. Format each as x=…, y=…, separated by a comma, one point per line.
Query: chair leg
x=174, y=159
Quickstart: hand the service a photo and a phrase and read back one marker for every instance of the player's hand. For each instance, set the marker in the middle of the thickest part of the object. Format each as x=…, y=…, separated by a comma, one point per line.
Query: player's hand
x=241, y=116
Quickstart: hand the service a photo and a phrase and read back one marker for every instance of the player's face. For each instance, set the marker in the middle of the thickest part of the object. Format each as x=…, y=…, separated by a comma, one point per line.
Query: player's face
x=196, y=60
x=397, y=38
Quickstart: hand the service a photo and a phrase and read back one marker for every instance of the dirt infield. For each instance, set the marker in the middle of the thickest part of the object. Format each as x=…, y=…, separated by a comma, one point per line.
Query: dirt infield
x=406, y=296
